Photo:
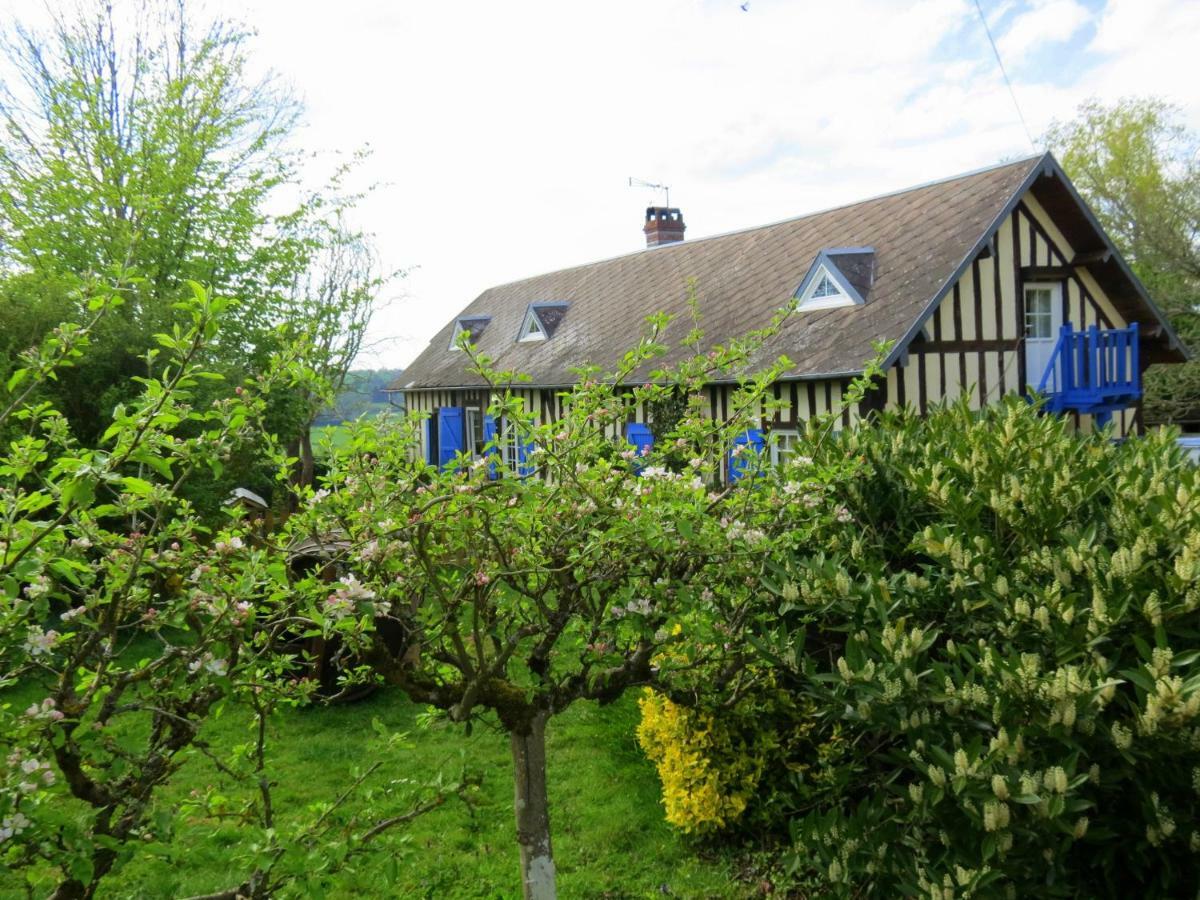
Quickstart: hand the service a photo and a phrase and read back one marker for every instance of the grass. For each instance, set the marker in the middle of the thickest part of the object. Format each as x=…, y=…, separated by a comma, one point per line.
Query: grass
x=610, y=839
x=336, y=436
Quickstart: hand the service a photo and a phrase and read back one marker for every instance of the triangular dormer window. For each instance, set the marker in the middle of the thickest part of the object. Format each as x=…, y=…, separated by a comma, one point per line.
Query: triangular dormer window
x=839, y=276
x=531, y=328
x=471, y=326
x=542, y=319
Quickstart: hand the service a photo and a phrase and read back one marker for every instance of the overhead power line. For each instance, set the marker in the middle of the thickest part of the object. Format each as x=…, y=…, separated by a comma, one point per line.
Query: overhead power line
x=1000, y=63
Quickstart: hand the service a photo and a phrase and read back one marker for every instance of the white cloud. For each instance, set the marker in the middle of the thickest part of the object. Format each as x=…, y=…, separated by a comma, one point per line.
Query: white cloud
x=1046, y=22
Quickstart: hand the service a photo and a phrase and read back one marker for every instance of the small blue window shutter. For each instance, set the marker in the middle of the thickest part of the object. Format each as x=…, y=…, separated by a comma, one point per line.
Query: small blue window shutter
x=642, y=438
x=524, y=467
x=450, y=433
x=753, y=441
x=489, y=438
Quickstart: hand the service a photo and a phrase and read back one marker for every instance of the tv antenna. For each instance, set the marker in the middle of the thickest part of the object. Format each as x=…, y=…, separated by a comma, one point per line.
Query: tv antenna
x=637, y=182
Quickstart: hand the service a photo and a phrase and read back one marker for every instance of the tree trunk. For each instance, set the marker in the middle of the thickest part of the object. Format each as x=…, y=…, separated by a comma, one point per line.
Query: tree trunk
x=533, y=811
x=307, y=466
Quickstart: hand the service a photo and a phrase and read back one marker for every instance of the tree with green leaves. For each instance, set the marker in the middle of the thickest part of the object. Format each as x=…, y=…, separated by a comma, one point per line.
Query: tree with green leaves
x=134, y=138
x=591, y=568
x=1139, y=169
x=129, y=621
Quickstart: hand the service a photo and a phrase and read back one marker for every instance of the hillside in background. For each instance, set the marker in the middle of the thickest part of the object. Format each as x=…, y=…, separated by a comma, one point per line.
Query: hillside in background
x=363, y=394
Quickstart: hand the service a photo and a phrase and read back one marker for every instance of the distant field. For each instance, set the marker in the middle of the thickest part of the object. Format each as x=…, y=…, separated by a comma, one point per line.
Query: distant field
x=329, y=436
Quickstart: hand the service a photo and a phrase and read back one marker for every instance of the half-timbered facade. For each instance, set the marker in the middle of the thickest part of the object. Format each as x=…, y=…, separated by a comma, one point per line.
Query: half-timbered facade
x=992, y=283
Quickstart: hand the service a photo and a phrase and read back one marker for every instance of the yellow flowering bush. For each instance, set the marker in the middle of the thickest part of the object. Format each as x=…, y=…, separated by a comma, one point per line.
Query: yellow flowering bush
x=707, y=773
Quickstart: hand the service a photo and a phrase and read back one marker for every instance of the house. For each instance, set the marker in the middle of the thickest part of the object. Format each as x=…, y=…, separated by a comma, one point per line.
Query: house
x=991, y=283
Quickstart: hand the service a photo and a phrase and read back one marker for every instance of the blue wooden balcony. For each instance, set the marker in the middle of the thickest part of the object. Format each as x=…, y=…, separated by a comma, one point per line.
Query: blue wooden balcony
x=1094, y=371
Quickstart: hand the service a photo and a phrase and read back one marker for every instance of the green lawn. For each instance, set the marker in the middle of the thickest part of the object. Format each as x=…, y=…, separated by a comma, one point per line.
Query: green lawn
x=336, y=436
x=610, y=837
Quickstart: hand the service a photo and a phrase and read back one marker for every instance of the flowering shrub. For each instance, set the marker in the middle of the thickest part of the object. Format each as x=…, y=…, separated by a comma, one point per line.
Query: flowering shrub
x=132, y=620
x=1001, y=656
x=708, y=773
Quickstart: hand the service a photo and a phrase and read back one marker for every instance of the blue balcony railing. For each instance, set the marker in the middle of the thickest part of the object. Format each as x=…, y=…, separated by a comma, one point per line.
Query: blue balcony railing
x=1093, y=371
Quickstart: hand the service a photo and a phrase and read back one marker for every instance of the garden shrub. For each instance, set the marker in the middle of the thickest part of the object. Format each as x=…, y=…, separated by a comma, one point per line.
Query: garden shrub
x=996, y=657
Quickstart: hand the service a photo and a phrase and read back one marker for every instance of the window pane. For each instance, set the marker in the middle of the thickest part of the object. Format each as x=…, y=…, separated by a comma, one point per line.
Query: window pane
x=474, y=431
x=1039, y=316
x=783, y=445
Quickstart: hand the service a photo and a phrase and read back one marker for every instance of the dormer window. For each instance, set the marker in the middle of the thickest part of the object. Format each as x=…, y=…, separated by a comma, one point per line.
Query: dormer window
x=542, y=320
x=532, y=330
x=472, y=326
x=840, y=276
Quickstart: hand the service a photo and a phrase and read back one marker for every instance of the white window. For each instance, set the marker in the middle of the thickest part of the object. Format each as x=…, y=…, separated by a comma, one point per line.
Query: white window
x=1039, y=313
x=783, y=446
x=471, y=326
x=825, y=288
x=512, y=449
x=823, y=292
x=531, y=329
x=473, y=438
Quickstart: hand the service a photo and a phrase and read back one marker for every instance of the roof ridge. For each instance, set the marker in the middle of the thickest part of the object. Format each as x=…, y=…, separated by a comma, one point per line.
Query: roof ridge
x=808, y=215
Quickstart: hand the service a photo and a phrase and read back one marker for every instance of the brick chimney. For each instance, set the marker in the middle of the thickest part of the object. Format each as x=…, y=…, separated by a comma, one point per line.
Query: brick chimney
x=663, y=225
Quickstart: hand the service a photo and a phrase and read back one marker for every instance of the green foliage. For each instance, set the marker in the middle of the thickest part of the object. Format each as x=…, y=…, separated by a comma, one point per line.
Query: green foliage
x=128, y=621
x=607, y=818
x=1139, y=169
x=588, y=569
x=133, y=140
x=1002, y=662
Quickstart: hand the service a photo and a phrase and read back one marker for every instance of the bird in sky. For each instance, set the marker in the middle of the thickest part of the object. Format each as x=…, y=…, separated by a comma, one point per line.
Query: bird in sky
x=746, y=6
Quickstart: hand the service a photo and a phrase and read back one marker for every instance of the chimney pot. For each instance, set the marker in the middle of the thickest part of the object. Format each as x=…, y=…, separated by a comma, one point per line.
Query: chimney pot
x=664, y=225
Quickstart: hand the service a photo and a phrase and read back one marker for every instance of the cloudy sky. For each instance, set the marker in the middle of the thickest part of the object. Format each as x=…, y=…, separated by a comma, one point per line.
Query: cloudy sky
x=503, y=134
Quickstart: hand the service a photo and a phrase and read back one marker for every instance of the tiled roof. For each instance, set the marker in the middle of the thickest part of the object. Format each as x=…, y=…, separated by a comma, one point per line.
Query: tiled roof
x=919, y=236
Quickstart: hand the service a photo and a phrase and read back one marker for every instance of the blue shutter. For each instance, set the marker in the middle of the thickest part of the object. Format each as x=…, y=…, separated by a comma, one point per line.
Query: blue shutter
x=642, y=438
x=524, y=467
x=489, y=439
x=752, y=439
x=450, y=433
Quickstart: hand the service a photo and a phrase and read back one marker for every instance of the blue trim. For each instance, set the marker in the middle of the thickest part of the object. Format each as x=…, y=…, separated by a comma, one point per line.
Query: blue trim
x=450, y=434
x=841, y=251
x=524, y=467
x=1045, y=164
x=825, y=261
x=1094, y=371
x=642, y=438
x=739, y=465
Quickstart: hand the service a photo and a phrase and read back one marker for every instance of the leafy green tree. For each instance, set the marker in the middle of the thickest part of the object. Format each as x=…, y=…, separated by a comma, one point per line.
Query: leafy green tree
x=1139, y=168
x=129, y=621
x=133, y=138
